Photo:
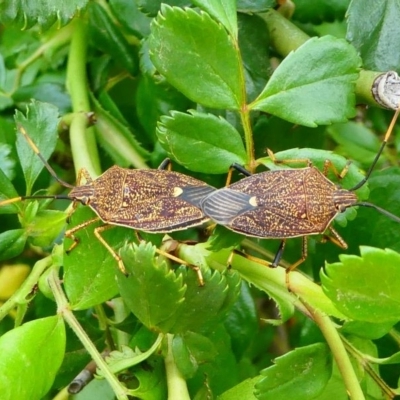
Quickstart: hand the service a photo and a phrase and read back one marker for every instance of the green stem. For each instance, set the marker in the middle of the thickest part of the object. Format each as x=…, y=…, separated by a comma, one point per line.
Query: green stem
x=83, y=141
x=339, y=352
x=245, y=114
x=395, y=335
x=125, y=363
x=248, y=137
x=120, y=313
x=286, y=37
x=62, y=37
x=64, y=309
x=104, y=326
x=363, y=87
x=177, y=387
x=365, y=360
x=21, y=295
x=273, y=281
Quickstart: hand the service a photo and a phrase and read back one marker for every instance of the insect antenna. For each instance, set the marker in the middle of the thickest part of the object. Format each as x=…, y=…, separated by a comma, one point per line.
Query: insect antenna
x=51, y=171
x=385, y=140
x=46, y=164
x=48, y=196
x=381, y=210
x=367, y=175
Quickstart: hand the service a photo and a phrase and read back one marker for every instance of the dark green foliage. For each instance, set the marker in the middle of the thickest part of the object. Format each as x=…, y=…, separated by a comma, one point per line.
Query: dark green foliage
x=207, y=83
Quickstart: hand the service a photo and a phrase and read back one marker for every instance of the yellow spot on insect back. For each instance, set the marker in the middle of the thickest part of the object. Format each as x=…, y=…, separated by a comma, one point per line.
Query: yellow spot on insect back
x=177, y=191
x=253, y=201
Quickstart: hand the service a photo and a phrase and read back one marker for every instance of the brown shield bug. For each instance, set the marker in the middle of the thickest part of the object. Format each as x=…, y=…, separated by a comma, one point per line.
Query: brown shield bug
x=155, y=201
x=288, y=203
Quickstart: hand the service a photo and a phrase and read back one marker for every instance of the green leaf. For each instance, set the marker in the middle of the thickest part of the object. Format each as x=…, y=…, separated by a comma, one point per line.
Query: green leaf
x=223, y=238
x=318, y=11
x=365, y=288
x=242, y=322
x=313, y=85
x=46, y=227
x=154, y=308
x=393, y=359
x=89, y=268
x=12, y=243
x=24, y=13
x=254, y=43
x=216, y=296
x=116, y=138
x=50, y=92
x=40, y=124
x=356, y=141
x=263, y=278
x=157, y=99
x=301, y=374
x=244, y=390
x=110, y=40
x=7, y=163
x=7, y=191
x=374, y=228
x=190, y=350
x=176, y=306
x=197, y=56
x=255, y=6
x=152, y=7
x=185, y=136
x=371, y=28
x=223, y=11
x=131, y=18
x=3, y=72
x=151, y=381
x=39, y=347
x=222, y=371
x=367, y=330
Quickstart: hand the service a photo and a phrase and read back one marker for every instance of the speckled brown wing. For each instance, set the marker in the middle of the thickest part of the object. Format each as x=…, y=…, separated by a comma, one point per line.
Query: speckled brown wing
x=158, y=201
x=275, y=204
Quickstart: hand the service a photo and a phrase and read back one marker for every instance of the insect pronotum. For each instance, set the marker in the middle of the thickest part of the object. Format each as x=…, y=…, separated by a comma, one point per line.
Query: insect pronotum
x=288, y=203
x=155, y=201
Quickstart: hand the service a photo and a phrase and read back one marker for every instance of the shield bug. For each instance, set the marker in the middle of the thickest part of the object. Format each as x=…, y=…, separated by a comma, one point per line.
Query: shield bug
x=154, y=201
x=288, y=203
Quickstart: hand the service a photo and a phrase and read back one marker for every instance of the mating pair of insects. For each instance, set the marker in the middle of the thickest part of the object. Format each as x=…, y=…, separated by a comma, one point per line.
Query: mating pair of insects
x=279, y=204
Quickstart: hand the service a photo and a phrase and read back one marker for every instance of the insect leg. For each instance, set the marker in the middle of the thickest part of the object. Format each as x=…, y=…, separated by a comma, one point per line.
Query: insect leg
x=279, y=254
x=70, y=233
x=97, y=231
x=238, y=168
x=304, y=253
x=249, y=257
x=165, y=165
x=336, y=238
x=328, y=165
x=83, y=175
x=166, y=254
x=306, y=161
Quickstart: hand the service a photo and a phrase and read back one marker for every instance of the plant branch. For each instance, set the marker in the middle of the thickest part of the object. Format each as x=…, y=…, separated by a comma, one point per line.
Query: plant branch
x=64, y=309
x=83, y=141
x=177, y=388
x=62, y=37
x=342, y=359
